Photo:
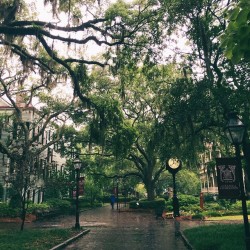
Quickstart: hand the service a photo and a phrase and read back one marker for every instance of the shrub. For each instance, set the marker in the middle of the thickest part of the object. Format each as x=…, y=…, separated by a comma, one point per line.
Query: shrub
x=193, y=209
x=7, y=211
x=198, y=216
x=212, y=213
x=144, y=204
x=15, y=201
x=57, y=204
x=187, y=200
x=33, y=208
x=213, y=206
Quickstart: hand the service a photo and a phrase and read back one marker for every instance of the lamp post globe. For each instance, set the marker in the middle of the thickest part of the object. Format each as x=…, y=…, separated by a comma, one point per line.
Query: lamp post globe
x=235, y=131
x=173, y=165
x=77, y=166
x=77, y=163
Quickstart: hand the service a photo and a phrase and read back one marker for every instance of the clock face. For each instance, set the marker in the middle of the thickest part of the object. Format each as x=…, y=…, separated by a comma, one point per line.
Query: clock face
x=173, y=163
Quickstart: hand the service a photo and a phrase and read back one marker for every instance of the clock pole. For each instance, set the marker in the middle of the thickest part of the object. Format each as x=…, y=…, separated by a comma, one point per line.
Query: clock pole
x=173, y=165
x=176, y=207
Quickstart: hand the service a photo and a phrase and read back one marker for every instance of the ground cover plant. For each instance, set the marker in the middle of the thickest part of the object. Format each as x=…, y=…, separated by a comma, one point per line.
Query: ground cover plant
x=221, y=237
x=33, y=239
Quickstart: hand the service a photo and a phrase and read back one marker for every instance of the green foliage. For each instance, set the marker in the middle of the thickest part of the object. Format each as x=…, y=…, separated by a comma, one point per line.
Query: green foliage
x=147, y=204
x=33, y=239
x=236, y=38
x=57, y=185
x=188, y=203
x=1, y=190
x=15, y=200
x=123, y=140
x=7, y=211
x=216, y=237
x=186, y=200
x=118, y=9
x=188, y=182
x=198, y=216
x=59, y=204
x=33, y=208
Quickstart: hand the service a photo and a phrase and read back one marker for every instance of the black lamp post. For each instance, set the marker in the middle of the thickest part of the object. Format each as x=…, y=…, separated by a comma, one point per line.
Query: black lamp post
x=77, y=166
x=235, y=131
x=173, y=166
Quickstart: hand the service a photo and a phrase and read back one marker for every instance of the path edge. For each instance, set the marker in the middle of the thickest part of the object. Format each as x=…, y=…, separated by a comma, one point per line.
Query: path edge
x=70, y=240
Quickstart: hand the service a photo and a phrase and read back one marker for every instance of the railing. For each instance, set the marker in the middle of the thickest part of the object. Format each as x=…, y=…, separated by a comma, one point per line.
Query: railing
x=210, y=190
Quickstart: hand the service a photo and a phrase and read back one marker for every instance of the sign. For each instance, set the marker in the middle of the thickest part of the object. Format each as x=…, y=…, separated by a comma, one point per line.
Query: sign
x=81, y=185
x=228, y=179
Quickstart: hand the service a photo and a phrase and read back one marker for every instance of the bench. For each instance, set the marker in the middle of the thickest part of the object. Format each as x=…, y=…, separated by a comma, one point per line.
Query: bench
x=169, y=215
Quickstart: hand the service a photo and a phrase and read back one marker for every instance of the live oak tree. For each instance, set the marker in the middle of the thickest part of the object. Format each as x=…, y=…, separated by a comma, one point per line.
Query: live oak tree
x=28, y=131
x=195, y=106
x=56, y=43
x=136, y=138
x=217, y=85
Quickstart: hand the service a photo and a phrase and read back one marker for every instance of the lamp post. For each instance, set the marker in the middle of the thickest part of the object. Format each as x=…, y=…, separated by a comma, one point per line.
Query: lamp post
x=77, y=166
x=173, y=165
x=235, y=131
x=117, y=193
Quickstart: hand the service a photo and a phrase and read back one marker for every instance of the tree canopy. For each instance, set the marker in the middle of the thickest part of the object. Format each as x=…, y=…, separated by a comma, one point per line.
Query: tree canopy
x=235, y=39
x=143, y=98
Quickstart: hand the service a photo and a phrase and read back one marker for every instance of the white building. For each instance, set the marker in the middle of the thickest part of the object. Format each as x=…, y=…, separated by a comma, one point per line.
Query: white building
x=43, y=163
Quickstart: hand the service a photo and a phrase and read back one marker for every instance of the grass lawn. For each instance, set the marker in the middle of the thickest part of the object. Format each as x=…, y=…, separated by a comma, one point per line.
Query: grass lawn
x=217, y=237
x=228, y=217
x=34, y=239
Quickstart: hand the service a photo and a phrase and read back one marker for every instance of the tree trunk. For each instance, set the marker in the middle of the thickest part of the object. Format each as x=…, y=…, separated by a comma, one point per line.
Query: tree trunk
x=150, y=188
x=23, y=214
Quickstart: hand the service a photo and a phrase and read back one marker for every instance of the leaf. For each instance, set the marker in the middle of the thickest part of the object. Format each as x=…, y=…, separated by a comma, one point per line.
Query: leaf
x=247, y=55
x=232, y=26
x=237, y=55
x=242, y=16
x=224, y=41
x=244, y=43
x=234, y=14
x=228, y=53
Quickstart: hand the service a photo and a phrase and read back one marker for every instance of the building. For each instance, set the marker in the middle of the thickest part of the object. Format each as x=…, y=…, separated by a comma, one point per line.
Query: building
x=40, y=166
x=207, y=169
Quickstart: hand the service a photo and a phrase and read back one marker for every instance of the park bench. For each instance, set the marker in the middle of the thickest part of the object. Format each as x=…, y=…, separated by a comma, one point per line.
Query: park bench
x=169, y=215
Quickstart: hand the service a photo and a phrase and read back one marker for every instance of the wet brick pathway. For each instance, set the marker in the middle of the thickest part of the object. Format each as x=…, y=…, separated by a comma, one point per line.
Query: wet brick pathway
x=111, y=230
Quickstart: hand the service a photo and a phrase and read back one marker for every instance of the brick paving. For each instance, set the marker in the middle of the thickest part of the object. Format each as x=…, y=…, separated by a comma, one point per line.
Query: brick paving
x=111, y=229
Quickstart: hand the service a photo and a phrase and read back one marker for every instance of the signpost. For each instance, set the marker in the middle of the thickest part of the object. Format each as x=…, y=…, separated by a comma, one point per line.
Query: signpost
x=228, y=178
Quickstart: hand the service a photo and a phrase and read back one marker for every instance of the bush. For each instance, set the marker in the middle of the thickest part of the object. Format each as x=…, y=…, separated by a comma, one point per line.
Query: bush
x=15, y=201
x=198, y=216
x=33, y=208
x=187, y=200
x=192, y=209
x=7, y=211
x=60, y=205
x=144, y=204
x=213, y=206
x=212, y=213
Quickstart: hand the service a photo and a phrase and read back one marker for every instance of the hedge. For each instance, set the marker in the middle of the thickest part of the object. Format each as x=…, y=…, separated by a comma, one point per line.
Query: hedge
x=144, y=204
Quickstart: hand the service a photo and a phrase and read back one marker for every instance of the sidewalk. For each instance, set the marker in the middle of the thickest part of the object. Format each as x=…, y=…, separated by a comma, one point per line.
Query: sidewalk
x=107, y=229
x=111, y=229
